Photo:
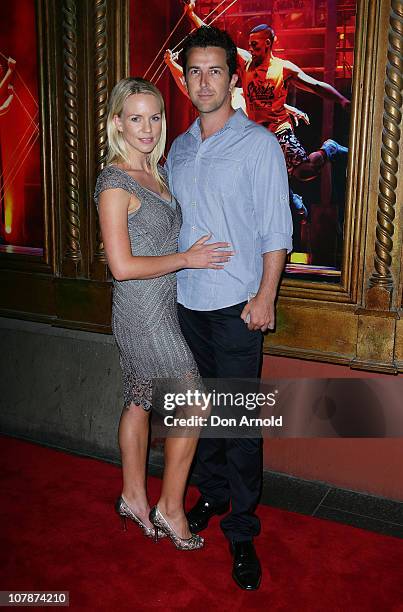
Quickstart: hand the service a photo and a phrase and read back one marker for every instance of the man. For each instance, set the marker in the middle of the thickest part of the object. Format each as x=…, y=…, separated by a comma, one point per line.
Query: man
x=229, y=175
x=265, y=81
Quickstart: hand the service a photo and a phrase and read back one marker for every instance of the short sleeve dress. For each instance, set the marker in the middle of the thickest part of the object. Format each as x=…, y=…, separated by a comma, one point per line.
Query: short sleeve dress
x=144, y=312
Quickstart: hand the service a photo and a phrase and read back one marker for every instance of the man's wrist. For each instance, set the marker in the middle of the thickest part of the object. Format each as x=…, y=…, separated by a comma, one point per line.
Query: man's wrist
x=266, y=295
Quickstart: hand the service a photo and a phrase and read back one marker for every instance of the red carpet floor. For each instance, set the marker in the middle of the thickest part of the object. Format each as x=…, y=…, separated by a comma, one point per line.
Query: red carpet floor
x=60, y=532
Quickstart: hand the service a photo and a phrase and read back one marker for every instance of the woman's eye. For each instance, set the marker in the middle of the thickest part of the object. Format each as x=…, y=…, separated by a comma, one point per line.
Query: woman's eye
x=156, y=118
x=134, y=119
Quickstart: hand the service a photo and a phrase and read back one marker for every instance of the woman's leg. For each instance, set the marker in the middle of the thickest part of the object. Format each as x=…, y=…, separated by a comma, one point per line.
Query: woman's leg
x=133, y=442
x=179, y=453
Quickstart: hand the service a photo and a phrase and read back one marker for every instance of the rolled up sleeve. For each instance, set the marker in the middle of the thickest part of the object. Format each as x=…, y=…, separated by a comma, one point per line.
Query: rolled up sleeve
x=270, y=196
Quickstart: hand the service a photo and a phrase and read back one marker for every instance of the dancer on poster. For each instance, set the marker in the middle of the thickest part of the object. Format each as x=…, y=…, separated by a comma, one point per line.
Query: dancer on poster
x=265, y=81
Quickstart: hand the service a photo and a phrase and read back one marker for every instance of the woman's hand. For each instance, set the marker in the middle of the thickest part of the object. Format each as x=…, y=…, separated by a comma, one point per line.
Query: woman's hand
x=201, y=255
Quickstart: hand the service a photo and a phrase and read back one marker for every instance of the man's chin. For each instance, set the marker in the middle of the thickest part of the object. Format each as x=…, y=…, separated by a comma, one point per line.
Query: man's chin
x=256, y=61
x=206, y=107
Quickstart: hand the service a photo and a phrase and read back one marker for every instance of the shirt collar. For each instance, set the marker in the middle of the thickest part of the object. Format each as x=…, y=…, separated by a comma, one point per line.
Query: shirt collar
x=236, y=122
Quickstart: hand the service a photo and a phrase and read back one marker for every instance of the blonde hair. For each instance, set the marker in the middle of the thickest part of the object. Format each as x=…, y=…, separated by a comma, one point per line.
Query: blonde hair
x=117, y=149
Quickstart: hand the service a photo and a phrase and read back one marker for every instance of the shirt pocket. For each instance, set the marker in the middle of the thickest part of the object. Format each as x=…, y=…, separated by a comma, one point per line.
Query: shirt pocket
x=180, y=175
x=222, y=176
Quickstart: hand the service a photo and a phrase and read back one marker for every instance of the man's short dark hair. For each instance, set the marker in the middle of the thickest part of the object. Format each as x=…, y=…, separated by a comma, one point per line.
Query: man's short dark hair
x=209, y=36
x=267, y=31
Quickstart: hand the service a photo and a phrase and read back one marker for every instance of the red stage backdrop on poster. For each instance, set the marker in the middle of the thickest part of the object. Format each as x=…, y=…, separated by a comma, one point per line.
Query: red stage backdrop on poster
x=305, y=78
x=21, y=209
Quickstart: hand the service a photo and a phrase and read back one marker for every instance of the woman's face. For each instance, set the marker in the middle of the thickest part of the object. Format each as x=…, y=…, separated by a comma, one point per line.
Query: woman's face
x=140, y=122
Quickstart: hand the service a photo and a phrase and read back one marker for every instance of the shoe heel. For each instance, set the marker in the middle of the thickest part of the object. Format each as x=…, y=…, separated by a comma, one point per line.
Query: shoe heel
x=156, y=534
x=124, y=522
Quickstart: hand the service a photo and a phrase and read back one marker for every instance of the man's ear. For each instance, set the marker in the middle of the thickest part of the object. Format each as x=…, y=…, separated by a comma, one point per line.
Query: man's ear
x=233, y=81
x=270, y=43
x=118, y=122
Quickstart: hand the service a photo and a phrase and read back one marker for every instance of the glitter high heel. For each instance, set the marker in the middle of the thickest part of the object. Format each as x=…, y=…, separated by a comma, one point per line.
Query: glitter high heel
x=161, y=524
x=125, y=512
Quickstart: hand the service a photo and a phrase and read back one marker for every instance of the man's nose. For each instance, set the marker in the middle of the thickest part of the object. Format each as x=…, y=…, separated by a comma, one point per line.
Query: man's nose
x=203, y=79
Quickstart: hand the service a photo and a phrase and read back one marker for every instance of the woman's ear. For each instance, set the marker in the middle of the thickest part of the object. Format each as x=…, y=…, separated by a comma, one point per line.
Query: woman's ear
x=118, y=122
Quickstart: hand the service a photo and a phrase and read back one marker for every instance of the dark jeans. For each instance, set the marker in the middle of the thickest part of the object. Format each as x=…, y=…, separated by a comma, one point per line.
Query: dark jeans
x=227, y=469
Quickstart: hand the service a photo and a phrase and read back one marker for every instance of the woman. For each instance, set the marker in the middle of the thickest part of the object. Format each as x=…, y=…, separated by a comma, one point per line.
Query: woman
x=140, y=222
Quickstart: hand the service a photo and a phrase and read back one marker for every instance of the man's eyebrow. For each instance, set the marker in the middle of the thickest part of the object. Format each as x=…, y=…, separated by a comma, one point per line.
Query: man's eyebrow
x=209, y=67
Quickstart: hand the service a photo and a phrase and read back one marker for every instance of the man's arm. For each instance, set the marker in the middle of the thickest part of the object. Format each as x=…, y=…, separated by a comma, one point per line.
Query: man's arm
x=175, y=70
x=261, y=309
x=274, y=225
x=7, y=77
x=303, y=81
x=243, y=55
x=6, y=104
x=190, y=12
x=296, y=114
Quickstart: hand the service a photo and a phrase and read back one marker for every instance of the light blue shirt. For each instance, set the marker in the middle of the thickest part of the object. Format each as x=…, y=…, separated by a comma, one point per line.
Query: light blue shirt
x=233, y=185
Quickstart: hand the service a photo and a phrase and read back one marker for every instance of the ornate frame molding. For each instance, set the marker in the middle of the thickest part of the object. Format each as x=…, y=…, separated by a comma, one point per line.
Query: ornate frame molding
x=381, y=282
x=100, y=101
x=72, y=249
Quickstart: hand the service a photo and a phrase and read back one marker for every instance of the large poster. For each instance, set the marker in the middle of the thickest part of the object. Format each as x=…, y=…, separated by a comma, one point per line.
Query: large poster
x=21, y=202
x=295, y=75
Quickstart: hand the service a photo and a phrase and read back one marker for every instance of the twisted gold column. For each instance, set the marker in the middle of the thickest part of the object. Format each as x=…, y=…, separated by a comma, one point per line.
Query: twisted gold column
x=101, y=97
x=71, y=156
x=381, y=278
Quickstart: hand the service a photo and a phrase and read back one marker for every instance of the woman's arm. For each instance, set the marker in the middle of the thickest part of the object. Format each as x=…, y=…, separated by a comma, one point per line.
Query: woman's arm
x=113, y=209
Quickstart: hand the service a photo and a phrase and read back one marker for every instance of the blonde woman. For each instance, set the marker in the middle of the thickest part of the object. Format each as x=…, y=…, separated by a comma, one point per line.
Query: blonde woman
x=140, y=221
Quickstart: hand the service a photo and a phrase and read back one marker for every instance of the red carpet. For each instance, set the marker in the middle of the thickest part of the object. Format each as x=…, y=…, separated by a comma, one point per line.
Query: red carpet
x=60, y=532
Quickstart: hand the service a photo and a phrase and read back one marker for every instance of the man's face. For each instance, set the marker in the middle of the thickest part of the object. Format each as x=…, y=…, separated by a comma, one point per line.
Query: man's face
x=259, y=47
x=207, y=78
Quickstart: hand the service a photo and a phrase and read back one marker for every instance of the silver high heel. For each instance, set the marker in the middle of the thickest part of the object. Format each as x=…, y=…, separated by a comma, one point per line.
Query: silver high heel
x=161, y=524
x=125, y=512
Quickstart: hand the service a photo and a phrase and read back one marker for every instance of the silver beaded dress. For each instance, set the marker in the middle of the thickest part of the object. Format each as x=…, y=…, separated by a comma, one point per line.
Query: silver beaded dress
x=144, y=312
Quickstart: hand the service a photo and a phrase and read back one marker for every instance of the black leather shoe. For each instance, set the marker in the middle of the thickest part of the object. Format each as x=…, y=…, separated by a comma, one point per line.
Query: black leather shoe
x=199, y=516
x=246, y=570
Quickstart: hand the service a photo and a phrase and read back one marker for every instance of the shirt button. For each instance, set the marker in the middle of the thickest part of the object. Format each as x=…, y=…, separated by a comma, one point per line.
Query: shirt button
x=193, y=203
x=193, y=228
